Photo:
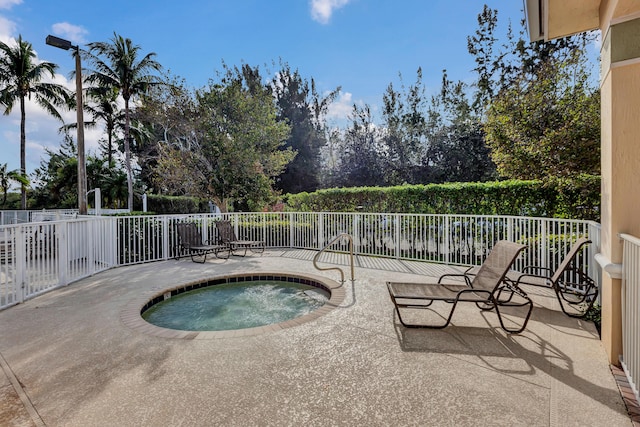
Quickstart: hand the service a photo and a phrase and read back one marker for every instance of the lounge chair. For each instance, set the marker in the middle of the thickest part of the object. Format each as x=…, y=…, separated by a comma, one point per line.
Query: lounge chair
x=191, y=241
x=576, y=291
x=487, y=289
x=227, y=236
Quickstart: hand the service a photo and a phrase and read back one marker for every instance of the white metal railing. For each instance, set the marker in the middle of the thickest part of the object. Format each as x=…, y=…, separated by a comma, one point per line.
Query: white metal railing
x=23, y=216
x=39, y=256
x=630, y=359
x=36, y=257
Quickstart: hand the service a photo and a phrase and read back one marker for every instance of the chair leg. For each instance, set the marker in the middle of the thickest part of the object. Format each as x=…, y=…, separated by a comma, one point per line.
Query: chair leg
x=203, y=254
x=526, y=320
x=589, y=298
x=217, y=252
x=413, y=325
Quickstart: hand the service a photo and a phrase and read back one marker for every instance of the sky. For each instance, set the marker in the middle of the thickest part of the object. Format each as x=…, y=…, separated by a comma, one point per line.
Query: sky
x=358, y=45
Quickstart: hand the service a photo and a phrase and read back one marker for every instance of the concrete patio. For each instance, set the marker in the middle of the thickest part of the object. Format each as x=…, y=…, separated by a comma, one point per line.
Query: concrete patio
x=70, y=360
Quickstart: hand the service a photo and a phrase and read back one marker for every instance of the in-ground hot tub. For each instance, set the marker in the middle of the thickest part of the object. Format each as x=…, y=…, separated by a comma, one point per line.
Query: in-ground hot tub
x=235, y=305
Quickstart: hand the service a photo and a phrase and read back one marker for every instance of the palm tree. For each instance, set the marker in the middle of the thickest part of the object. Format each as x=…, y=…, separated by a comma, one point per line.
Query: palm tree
x=116, y=64
x=20, y=77
x=5, y=180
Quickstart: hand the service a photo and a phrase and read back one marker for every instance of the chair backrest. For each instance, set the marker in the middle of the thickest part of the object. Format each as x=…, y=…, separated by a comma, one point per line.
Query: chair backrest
x=568, y=258
x=226, y=233
x=189, y=234
x=496, y=265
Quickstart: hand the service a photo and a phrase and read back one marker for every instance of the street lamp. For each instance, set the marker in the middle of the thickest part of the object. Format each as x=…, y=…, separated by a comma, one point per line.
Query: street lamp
x=82, y=169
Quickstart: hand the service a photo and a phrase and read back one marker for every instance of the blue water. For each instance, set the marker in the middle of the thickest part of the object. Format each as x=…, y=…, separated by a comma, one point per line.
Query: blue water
x=236, y=306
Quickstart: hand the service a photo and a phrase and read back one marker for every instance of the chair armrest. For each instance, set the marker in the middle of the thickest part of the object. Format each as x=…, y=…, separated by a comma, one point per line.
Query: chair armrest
x=466, y=278
x=534, y=270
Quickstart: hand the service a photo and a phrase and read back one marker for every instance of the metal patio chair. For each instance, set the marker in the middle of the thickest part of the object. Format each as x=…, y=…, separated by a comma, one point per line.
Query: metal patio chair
x=227, y=236
x=575, y=290
x=487, y=289
x=190, y=240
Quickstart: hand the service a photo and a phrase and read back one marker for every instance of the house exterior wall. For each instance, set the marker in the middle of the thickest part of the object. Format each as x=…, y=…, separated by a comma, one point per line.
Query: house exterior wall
x=619, y=22
x=620, y=91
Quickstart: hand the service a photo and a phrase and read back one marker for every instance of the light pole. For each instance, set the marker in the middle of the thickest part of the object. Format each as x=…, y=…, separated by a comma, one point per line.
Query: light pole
x=82, y=168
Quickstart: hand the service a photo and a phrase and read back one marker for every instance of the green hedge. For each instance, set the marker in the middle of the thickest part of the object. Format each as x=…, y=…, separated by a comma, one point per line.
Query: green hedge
x=175, y=204
x=577, y=198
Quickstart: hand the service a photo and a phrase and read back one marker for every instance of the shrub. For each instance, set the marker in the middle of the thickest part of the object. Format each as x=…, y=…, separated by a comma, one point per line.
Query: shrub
x=578, y=198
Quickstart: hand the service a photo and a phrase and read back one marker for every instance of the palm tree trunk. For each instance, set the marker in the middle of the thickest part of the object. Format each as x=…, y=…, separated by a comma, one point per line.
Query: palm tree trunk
x=109, y=151
x=23, y=156
x=127, y=156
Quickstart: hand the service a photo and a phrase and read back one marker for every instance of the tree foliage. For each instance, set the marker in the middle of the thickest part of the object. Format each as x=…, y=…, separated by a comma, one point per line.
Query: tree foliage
x=238, y=155
x=56, y=179
x=10, y=176
x=118, y=65
x=546, y=122
x=303, y=109
x=21, y=78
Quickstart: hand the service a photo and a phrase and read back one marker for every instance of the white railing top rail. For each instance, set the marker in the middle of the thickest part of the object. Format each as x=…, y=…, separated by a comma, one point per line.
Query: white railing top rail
x=629, y=238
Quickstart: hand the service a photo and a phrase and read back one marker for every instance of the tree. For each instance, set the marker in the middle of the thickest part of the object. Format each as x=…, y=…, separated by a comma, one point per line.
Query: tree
x=404, y=137
x=456, y=149
x=238, y=154
x=168, y=114
x=6, y=177
x=20, y=78
x=117, y=64
x=540, y=105
x=362, y=156
x=103, y=106
x=303, y=109
x=548, y=125
x=56, y=178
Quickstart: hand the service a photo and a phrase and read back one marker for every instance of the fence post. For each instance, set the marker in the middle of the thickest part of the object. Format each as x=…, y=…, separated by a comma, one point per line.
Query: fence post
x=20, y=260
x=397, y=234
x=165, y=237
x=63, y=251
x=446, y=241
x=543, y=247
x=291, y=228
x=91, y=248
x=320, y=231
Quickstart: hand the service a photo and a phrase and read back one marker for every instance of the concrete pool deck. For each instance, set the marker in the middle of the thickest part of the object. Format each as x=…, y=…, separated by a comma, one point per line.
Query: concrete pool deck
x=70, y=360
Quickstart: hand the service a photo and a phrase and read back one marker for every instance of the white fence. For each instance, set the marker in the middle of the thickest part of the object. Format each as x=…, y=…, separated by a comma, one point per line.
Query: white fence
x=37, y=257
x=21, y=217
x=630, y=310
x=40, y=256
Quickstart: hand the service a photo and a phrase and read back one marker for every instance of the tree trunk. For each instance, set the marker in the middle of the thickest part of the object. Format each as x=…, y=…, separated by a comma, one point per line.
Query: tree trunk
x=23, y=157
x=127, y=156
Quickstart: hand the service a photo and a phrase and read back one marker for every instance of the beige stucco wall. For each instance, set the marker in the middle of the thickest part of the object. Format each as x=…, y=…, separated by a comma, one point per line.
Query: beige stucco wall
x=620, y=97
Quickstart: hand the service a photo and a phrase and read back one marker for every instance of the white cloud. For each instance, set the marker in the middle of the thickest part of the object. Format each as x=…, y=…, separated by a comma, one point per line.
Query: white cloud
x=8, y=4
x=321, y=10
x=7, y=29
x=341, y=108
x=73, y=33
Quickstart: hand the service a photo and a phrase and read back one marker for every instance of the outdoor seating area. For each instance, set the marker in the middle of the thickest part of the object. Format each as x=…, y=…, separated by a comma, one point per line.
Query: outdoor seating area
x=511, y=330
x=191, y=242
x=355, y=365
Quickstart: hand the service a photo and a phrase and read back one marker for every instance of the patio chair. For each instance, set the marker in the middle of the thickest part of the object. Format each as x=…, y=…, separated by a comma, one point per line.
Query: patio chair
x=190, y=240
x=227, y=236
x=576, y=291
x=488, y=289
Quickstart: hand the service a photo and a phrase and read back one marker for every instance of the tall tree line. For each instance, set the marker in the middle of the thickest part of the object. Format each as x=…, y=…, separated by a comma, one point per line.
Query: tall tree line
x=252, y=134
